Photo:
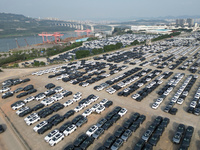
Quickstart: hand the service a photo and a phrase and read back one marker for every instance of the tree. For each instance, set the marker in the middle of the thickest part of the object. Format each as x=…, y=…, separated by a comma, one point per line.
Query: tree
x=82, y=54
x=97, y=51
x=135, y=42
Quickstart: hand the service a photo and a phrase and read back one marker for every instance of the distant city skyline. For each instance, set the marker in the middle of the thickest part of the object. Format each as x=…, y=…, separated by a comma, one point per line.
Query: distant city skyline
x=101, y=10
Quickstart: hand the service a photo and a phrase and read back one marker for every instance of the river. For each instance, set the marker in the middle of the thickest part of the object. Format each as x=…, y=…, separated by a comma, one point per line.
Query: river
x=10, y=43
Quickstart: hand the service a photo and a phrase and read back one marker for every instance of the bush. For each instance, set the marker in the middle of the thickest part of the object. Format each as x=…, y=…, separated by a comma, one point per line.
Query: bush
x=82, y=54
x=97, y=51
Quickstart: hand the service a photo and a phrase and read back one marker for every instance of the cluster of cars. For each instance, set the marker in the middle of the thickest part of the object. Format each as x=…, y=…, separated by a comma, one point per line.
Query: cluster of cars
x=194, y=106
x=153, y=133
x=96, y=130
x=183, y=136
x=180, y=95
x=194, y=67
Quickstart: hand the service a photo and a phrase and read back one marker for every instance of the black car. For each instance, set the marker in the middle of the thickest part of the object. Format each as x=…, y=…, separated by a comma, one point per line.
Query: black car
x=181, y=128
x=46, y=113
x=50, y=93
x=173, y=111
x=139, y=145
x=101, y=148
x=69, y=147
x=45, y=128
x=186, y=140
x=127, y=123
x=116, y=109
x=141, y=119
x=1, y=129
x=108, y=104
x=77, y=118
x=160, y=129
x=26, y=80
x=80, y=139
x=64, y=126
x=165, y=122
x=52, y=118
x=109, y=115
x=68, y=94
x=88, y=141
x=107, y=125
x=26, y=112
x=189, y=131
x=135, y=116
x=154, y=139
x=134, y=126
x=49, y=86
x=22, y=94
x=8, y=94
x=115, y=118
x=182, y=147
x=98, y=133
x=59, y=107
x=18, y=90
x=32, y=91
x=28, y=87
x=109, y=141
x=58, y=120
x=54, y=105
x=101, y=122
x=81, y=122
x=167, y=109
x=148, y=147
x=69, y=113
x=39, y=106
x=158, y=120
x=119, y=132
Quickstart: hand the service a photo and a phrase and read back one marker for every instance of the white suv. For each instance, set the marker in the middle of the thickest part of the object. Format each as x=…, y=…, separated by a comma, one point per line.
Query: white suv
x=70, y=129
x=51, y=135
x=32, y=120
x=91, y=130
x=40, y=125
x=29, y=99
x=56, y=139
x=69, y=102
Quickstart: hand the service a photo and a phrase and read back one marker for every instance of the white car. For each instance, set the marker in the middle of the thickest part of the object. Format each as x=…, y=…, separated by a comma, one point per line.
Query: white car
x=78, y=108
x=47, y=101
x=4, y=89
x=159, y=101
x=166, y=93
x=64, y=92
x=69, y=102
x=58, y=89
x=94, y=98
x=18, y=105
x=174, y=99
x=51, y=135
x=87, y=112
x=134, y=96
x=22, y=110
x=91, y=130
x=100, y=109
x=46, y=92
x=30, y=116
x=112, y=91
x=75, y=99
x=95, y=106
x=32, y=120
x=154, y=105
x=185, y=93
x=40, y=125
x=87, y=103
x=103, y=101
x=122, y=112
x=180, y=101
x=40, y=97
x=77, y=94
x=56, y=139
x=29, y=99
x=70, y=129
x=85, y=84
x=57, y=97
x=193, y=104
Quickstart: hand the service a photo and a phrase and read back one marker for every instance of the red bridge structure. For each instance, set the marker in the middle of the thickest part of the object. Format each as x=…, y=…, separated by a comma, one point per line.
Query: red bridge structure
x=56, y=35
x=82, y=31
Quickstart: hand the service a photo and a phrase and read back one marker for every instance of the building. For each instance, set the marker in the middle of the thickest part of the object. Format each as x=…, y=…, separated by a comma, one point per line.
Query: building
x=152, y=29
x=190, y=22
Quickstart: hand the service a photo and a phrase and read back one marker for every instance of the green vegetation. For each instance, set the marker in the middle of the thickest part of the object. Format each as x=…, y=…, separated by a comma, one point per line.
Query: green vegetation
x=135, y=43
x=112, y=47
x=181, y=29
x=166, y=36
x=38, y=63
x=97, y=51
x=82, y=54
x=92, y=38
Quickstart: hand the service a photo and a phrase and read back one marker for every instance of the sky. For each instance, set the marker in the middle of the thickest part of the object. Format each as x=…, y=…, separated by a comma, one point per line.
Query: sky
x=100, y=9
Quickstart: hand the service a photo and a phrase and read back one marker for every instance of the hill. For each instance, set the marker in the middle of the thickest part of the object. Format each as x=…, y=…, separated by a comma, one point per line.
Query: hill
x=20, y=25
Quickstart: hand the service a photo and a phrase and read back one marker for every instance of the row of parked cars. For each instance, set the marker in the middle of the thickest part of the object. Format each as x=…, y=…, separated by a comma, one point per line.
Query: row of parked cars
x=96, y=130
x=152, y=134
x=183, y=136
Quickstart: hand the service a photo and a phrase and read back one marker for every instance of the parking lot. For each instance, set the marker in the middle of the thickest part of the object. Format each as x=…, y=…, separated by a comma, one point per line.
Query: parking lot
x=36, y=141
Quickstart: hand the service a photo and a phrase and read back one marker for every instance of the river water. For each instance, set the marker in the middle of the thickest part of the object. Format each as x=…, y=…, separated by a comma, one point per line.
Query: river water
x=10, y=43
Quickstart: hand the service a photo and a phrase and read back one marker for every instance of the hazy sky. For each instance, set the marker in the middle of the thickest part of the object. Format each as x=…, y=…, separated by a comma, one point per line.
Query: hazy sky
x=100, y=9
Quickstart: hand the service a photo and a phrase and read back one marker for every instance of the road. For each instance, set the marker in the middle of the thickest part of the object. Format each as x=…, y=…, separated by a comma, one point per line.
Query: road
x=8, y=140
